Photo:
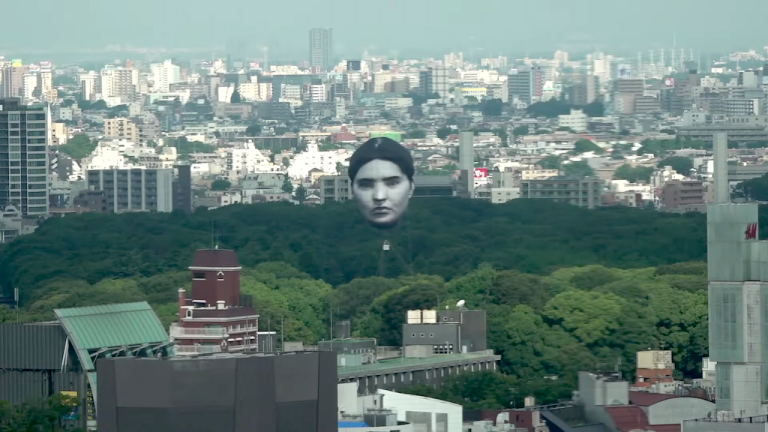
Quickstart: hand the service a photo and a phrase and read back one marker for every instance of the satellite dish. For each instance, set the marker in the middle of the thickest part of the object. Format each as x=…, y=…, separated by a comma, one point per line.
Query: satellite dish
x=460, y=304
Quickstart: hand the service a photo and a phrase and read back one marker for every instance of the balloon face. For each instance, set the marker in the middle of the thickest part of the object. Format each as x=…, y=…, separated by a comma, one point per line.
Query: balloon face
x=382, y=192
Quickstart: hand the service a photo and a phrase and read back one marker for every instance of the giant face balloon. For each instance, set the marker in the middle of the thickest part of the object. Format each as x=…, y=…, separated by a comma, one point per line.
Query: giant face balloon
x=382, y=171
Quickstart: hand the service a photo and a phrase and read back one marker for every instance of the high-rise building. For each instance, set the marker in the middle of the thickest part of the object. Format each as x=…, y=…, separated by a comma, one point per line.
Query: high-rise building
x=119, y=83
x=321, y=48
x=13, y=80
x=435, y=80
x=738, y=299
x=526, y=85
x=164, y=74
x=23, y=157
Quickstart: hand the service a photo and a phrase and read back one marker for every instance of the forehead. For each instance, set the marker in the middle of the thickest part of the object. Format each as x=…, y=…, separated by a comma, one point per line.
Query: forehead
x=379, y=169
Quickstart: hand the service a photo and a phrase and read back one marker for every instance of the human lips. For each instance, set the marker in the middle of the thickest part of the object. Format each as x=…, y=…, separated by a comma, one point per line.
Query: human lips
x=381, y=211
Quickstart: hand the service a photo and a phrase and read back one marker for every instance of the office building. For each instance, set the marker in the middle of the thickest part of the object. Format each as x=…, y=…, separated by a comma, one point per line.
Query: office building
x=586, y=192
x=24, y=157
x=321, y=48
x=738, y=296
x=134, y=189
x=526, y=85
x=294, y=391
x=182, y=187
x=433, y=81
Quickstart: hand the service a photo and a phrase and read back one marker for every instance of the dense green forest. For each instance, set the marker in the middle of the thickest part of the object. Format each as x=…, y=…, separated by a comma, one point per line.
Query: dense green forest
x=445, y=237
x=566, y=289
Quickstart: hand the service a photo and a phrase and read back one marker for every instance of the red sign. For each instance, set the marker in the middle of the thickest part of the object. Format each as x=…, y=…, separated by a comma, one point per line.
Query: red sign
x=751, y=232
x=669, y=82
x=481, y=172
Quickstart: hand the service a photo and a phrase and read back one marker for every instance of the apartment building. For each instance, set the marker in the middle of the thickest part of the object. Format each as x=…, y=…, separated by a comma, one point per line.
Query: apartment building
x=586, y=192
x=129, y=190
x=122, y=128
x=23, y=157
x=335, y=188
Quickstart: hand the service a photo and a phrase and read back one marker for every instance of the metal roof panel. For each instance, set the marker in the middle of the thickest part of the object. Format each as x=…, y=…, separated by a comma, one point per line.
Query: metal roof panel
x=115, y=325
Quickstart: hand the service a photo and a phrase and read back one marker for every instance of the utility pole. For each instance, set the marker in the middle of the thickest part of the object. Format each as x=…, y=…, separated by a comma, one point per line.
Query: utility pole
x=282, y=335
x=16, y=298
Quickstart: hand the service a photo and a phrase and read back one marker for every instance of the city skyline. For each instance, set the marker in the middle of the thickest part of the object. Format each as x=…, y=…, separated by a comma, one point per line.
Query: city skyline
x=424, y=29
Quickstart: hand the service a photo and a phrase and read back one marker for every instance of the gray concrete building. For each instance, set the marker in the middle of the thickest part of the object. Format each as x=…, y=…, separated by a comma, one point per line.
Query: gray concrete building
x=129, y=190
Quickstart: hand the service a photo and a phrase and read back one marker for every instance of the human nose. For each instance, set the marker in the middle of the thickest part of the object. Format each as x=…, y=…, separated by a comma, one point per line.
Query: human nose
x=380, y=193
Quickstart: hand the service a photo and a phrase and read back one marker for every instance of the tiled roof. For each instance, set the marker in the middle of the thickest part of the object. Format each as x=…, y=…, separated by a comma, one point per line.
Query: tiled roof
x=215, y=258
x=645, y=399
x=628, y=417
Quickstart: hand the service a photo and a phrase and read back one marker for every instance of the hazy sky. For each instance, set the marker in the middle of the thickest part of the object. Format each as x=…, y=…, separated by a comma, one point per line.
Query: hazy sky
x=404, y=26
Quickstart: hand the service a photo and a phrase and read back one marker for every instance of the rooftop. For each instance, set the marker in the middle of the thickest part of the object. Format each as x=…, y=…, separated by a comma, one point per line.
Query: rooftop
x=215, y=258
x=411, y=363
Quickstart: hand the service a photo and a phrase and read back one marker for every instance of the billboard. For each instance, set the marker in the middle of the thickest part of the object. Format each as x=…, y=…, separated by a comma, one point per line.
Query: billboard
x=255, y=65
x=46, y=65
x=669, y=82
x=16, y=63
x=481, y=173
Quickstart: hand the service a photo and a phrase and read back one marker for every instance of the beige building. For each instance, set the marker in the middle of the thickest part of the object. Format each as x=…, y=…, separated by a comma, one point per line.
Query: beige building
x=586, y=192
x=59, y=133
x=121, y=128
x=335, y=188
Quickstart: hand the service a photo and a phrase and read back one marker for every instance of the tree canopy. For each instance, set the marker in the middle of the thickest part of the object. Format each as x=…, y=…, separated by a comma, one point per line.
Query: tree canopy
x=681, y=164
x=578, y=169
x=634, y=174
x=78, y=147
x=585, y=146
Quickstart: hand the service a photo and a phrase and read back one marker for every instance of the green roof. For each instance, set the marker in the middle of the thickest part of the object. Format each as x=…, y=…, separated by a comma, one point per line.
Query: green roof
x=415, y=362
x=115, y=325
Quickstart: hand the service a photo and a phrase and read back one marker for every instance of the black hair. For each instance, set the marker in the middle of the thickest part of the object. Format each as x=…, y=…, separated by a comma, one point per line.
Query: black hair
x=385, y=149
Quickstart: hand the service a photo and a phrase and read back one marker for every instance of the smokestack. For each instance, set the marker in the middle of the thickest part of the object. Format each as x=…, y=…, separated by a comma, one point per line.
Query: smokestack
x=720, y=146
x=182, y=297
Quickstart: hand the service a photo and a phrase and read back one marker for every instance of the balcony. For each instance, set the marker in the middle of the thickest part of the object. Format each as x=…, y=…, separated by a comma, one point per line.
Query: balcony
x=196, y=349
x=178, y=332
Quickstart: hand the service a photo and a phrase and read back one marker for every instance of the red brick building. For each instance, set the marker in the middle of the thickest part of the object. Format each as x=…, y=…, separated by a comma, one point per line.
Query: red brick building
x=218, y=318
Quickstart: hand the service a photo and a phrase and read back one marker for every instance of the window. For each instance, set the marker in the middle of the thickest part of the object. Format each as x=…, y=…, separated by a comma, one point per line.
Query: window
x=198, y=275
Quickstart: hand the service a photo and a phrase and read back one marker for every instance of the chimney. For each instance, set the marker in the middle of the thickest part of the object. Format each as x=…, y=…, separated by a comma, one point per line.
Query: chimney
x=182, y=297
x=220, y=304
x=720, y=147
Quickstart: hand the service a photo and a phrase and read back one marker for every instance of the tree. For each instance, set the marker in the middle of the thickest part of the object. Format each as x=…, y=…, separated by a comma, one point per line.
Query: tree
x=633, y=174
x=625, y=132
x=46, y=416
x=550, y=162
x=521, y=130
x=99, y=105
x=444, y=132
x=549, y=109
x=755, y=189
x=594, y=109
x=668, y=131
x=301, y=193
x=416, y=134
x=80, y=146
x=235, y=97
x=472, y=100
x=681, y=164
x=577, y=170
x=253, y=130
x=220, y=185
x=287, y=185
x=492, y=107
x=585, y=146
